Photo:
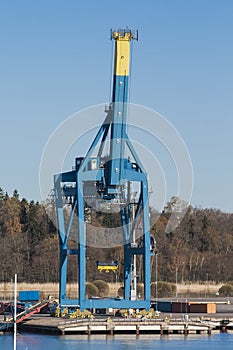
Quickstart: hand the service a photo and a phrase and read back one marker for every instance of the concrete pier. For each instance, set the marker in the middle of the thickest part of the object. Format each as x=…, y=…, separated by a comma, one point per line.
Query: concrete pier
x=113, y=326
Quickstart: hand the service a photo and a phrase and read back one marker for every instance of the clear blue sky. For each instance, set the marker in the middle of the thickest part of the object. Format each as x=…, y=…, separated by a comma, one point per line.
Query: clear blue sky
x=56, y=59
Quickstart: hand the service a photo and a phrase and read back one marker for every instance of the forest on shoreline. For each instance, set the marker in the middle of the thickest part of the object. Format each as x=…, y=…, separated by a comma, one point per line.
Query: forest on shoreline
x=199, y=249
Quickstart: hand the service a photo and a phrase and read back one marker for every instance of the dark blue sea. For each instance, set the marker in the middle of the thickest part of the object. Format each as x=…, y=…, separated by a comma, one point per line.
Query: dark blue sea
x=118, y=342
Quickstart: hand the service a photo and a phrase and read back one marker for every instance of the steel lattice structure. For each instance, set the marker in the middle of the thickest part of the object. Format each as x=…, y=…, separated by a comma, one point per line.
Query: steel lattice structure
x=108, y=179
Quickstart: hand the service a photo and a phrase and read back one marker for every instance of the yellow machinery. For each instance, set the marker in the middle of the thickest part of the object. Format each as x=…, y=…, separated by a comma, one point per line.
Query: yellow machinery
x=107, y=266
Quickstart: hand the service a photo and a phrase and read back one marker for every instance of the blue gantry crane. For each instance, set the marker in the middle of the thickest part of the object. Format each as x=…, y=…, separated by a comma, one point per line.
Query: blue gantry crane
x=107, y=178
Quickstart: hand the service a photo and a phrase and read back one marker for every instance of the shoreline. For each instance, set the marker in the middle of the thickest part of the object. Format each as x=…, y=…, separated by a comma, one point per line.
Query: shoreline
x=184, y=290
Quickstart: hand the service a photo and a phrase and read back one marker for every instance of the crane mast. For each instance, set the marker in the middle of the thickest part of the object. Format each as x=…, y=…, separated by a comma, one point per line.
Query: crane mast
x=108, y=179
x=119, y=100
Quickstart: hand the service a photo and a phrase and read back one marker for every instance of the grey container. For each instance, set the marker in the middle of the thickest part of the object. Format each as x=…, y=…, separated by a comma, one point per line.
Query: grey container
x=224, y=308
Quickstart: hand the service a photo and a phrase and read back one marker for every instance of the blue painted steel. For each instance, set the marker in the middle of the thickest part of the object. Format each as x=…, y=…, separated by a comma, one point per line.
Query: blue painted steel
x=116, y=303
x=146, y=239
x=108, y=180
x=120, y=88
x=118, y=128
x=29, y=295
x=81, y=243
x=61, y=232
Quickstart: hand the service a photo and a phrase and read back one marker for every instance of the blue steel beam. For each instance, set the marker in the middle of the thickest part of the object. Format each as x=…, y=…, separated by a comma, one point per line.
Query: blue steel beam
x=146, y=240
x=62, y=235
x=116, y=303
x=81, y=244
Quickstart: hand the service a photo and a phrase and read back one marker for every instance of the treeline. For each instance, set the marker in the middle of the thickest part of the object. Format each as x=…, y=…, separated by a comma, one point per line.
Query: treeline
x=28, y=241
x=200, y=249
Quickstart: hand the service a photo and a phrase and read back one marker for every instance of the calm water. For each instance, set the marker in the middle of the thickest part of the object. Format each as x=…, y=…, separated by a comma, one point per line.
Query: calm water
x=175, y=342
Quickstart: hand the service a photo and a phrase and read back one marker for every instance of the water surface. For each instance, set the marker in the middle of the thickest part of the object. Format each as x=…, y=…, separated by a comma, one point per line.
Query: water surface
x=118, y=342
